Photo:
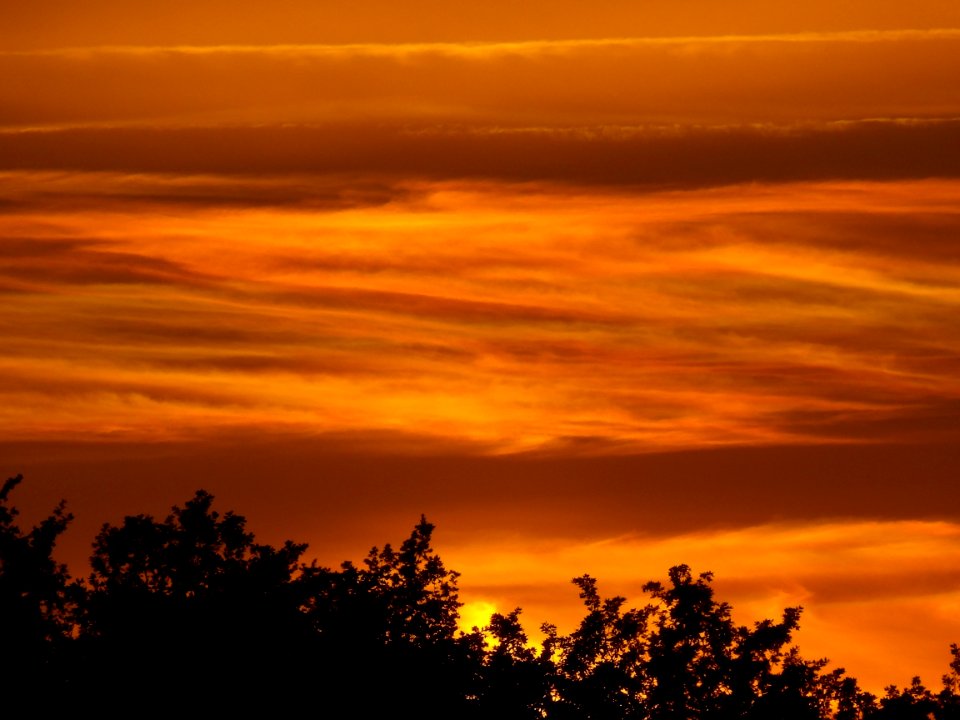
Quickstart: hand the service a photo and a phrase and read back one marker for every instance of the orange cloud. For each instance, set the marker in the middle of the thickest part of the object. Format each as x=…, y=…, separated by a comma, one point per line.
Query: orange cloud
x=685, y=80
x=519, y=320
x=363, y=157
x=58, y=23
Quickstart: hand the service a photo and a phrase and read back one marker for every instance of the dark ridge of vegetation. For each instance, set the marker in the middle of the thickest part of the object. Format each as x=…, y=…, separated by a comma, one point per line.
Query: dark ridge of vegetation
x=189, y=614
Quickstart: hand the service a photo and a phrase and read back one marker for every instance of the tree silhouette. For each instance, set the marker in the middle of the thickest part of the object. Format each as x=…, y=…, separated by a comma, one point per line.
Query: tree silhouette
x=189, y=614
x=515, y=681
x=682, y=657
x=388, y=631
x=37, y=598
x=597, y=664
x=192, y=600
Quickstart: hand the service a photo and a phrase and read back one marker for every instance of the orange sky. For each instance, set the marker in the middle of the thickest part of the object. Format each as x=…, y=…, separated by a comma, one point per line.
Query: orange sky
x=597, y=292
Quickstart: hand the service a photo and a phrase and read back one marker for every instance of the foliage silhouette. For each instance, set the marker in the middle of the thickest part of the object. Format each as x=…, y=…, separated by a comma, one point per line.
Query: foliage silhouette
x=515, y=680
x=387, y=631
x=37, y=598
x=190, y=614
x=192, y=597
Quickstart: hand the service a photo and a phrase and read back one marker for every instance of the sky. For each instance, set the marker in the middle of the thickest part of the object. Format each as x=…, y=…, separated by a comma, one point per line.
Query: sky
x=597, y=290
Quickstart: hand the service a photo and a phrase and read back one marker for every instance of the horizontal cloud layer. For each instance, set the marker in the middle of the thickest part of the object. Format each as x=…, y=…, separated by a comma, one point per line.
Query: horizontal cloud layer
x=372, y=155
x=687, y=80
x=57, y=23
x=527, y=317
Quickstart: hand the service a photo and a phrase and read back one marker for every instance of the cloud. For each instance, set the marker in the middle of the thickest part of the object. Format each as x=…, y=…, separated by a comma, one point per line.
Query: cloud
x=548, y=318
x=62, y=192
x=652, y=158
x=488, y=49
x=687, y=80
x=57, y=23
x=35, y=262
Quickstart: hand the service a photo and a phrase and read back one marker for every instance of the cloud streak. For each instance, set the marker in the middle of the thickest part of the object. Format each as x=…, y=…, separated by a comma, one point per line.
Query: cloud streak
x=491, y=48
x=53, y=23
x=688, y=80
x=313, y=157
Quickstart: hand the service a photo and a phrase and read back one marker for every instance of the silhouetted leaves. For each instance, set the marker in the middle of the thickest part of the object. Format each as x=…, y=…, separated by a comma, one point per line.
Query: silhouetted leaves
x=193, y=599
x=37, y=599
x=190, y=614
x=514, y=678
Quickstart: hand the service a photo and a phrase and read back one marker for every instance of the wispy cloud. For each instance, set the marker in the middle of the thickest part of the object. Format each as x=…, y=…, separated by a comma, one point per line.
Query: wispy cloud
x=481, y=49
x=545, y=317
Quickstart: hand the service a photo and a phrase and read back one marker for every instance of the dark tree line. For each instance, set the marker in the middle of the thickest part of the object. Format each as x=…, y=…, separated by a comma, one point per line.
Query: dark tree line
x=190, y=614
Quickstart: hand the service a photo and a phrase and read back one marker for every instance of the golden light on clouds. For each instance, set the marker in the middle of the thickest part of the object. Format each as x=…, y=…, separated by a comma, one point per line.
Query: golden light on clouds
x=517, y=318
x=57, y=23
x=731, y=80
